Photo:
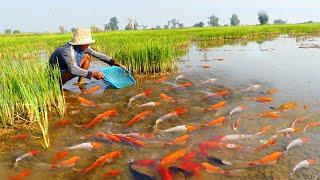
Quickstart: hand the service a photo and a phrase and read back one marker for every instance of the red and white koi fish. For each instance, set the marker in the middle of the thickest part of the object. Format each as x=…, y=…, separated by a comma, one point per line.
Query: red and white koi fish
x=297, y=142
x=289, y=130
x=180, y=128
x=235, y=124
x=138, y=118
x=218, y=94
x=107, y=158
x=86, y=102
x=252, y=87
x=179, y=77
x=22, y=175
x=26, y=155
x=211, y=80
x=238, y=109
x=175, y=113
x=216, y=106
x=87, y=145
x=181, y=87
x=92, y=90
x=233, y=137
x=267, y=160
x=150, y=104
x=314, y=124
x=167, y=98
x=107, y=114
x=145, y=93
x=304, y=164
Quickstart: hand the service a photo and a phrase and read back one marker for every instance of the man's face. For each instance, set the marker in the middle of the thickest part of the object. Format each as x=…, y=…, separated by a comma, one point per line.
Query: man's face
x=84, y=47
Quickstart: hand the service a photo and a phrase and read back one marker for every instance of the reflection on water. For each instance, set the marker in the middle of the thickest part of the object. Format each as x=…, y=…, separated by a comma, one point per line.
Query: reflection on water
x=279, y=63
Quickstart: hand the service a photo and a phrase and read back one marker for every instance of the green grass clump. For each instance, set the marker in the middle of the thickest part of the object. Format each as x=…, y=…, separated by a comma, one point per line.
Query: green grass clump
x=29, y=90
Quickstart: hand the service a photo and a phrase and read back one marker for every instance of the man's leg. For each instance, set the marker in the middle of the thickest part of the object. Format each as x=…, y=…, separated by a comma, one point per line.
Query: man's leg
x=65, y=77
x=84, y=64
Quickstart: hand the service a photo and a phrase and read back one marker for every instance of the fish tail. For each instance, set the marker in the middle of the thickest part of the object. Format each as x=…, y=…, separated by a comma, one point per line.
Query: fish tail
x=305, y=128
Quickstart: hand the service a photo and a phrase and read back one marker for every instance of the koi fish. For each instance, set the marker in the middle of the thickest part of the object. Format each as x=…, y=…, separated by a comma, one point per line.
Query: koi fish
x=87, y=145
x=252, y=87
x=179, y=140
x=162, y=79
x=92, y=90
x=267, y=160
x=181, y=86
x=238, y=109
x=233, y=137
x=271, y=114
x=22, y=175
x=218, y=94
x=211, y=80
x=145, y=162
x=167, y=98
x=304, y=164
x=107, y=158
x=212, y=169
x=272, y=91
x=179, y=77
x=59, y=155
x=314, y=124
x=188, y=168
x=112, y=173
x=140, y=135
x=263, y=99
x=264, y=129
x=86, y=102
x=66, y=163
x=130, y=140
x=107, y=136
x=164, y=173
x=299, y=119
x=218, y=121
x=235, y=124
x=216, y=106
x=218, y=162
x=297, y=142
x=190, y=155
x=267, y=144
x=219, y=59
x=175, y=113
x=61, y=123
x=20, y=137
x=204, y=146
x=287, y=106
x=26, y=155
x=172, y=157
x=205, y=66
x=150, y=104
x=145, y=93
x=107, y=114
x=289, y=130
x=138, y=118
x=180, y=128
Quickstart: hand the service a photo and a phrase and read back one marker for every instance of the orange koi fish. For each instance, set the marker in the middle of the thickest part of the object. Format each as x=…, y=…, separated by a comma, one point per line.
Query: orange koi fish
x=218, y=121
x=167, y=98
x=263, y=99
x=107, y=158
x=20, y=137
x=92, y=90
x=181, y=86
x=107, y=136
x=145, y=93
x=312, y=124
x=162, y=79
x=22, y=175
x=270, y=114
x=264, y=129
x=267, y=160
x=150, y=104
x=178, y=112
x=138, y=118
x=59, y=155
x=272, y=91
x=66, y=163
x=26, y=155
x=107, y=114
x=179, y=140
x=112, y=173
x=172, y=157
x=62, y=123
x=190, y=155
x=192, y=168
x=218, y=94
x=216, y=106
x=86, y=102
x=267, y=144
x=128, y=139
x=287, y=106
x=212, y=169
x=164, y=173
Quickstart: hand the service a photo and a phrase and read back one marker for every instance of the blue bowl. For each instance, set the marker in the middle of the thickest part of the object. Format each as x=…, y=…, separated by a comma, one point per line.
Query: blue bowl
x=117, y=77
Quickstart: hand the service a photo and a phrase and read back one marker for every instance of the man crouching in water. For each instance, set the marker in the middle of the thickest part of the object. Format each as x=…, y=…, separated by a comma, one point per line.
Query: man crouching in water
x=73, y=58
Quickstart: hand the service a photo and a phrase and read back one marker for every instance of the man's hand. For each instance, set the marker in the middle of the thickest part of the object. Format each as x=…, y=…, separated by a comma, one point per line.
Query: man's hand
x=97, y=75
x=123, y=66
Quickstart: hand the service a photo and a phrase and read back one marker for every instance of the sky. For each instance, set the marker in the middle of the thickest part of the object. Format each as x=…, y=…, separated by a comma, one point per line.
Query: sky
x=48, y=15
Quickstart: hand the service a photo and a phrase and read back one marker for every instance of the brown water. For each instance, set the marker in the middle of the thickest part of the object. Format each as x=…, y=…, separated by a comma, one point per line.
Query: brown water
x=278, y=63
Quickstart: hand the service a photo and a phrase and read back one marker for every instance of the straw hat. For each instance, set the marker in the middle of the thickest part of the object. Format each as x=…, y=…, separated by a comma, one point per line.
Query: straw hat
x=82, y=36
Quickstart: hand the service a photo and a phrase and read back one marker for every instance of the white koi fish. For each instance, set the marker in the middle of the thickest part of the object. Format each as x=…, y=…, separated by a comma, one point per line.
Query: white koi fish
x=179, y=77
x=26, y=155
x=304, y=164
x=297, y=142
x=233, y=137
x=87, y=145
x=175, y=113
x=238, y=109
x=150, y=104
x=180, y=128
x=252, y=87
x=211, y=80
x=145, y=93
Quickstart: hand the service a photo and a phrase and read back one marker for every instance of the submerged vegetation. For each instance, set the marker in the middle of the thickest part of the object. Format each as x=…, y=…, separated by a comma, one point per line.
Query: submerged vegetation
x=29, y=90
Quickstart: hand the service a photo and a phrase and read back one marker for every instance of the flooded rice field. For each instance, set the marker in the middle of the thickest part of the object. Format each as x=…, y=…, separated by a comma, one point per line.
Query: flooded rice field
x=266, y=85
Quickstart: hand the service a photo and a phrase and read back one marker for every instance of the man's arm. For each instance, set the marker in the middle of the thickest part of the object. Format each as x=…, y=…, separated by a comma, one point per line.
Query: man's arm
x=68, y=57
x=101, y=57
